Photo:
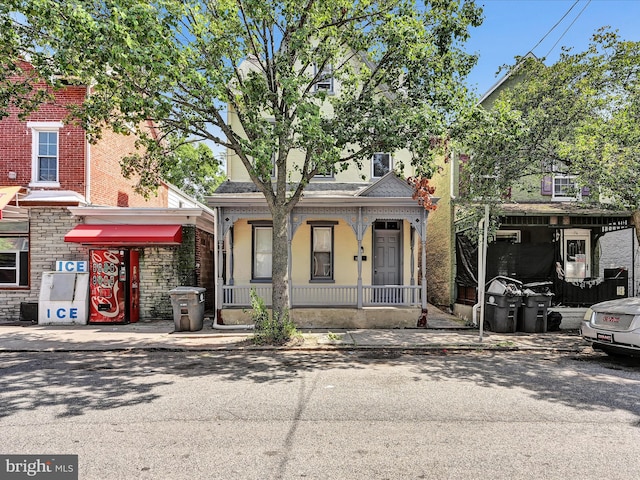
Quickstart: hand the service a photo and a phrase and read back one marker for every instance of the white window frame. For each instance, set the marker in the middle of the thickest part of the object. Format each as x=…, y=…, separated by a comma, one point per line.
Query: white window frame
x=564, y=198
x=18, y=266
x=36, y=129
x=325, y=82
x=255, y=252
x=324, y=272
x=373, y=162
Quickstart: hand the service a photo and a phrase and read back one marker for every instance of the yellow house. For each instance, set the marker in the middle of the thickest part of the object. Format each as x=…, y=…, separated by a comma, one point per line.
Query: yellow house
x=353, y=248
x=356, y=240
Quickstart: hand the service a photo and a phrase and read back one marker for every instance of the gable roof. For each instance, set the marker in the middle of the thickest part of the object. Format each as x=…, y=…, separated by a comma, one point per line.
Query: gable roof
x=390, y=185
x=506, y=77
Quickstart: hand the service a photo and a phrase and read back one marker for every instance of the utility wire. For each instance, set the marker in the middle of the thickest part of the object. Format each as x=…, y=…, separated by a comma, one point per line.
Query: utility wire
x=570, y=25
x=553, y=28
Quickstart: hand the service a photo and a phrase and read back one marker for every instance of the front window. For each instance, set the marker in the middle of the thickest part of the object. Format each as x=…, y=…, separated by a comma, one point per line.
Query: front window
x=322, y=253
x=565, y=188
x=325, y=79
x=381, y=164
x=262, y=255
x=14, y=261
x=45, y=153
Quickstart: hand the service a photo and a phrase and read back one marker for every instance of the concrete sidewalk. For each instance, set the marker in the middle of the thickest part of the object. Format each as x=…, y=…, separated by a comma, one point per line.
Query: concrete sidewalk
x=443, y=332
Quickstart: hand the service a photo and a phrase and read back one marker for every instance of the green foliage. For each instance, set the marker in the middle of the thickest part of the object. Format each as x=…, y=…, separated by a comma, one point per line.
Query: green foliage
x=245, y=75
x=578, y=116
x=193, y=168
x=270, y=330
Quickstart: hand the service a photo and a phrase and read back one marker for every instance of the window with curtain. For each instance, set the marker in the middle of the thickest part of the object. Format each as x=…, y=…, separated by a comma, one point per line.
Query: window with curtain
x=322, y=253
x=262, y=252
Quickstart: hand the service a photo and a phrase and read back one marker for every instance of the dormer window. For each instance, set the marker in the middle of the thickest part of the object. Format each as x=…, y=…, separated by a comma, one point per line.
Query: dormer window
x=381, y=164
x=565, y=188
x=325, y=79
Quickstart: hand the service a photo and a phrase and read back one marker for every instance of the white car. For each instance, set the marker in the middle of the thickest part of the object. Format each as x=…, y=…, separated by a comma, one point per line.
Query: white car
x=614, y=326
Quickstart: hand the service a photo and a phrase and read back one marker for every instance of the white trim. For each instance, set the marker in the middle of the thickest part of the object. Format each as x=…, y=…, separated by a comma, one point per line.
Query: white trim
x=36, y=129
x=45, y=125
x=564, y=198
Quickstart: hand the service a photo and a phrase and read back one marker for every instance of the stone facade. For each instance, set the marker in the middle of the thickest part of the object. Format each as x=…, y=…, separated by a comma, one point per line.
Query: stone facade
x=48, y=225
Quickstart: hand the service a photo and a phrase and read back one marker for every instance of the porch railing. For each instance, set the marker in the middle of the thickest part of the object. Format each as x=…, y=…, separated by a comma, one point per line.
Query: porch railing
x=327, y=296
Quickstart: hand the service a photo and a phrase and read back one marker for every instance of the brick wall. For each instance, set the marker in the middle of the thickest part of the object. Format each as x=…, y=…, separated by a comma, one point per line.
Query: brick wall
x=108, y=186
x=16, y=143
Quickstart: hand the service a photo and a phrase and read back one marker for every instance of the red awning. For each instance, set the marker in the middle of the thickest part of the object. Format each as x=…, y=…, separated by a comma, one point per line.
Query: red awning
x=125, y=235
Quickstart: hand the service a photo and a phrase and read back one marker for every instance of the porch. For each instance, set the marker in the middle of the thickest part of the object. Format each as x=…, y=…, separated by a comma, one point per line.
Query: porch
x=329, y=296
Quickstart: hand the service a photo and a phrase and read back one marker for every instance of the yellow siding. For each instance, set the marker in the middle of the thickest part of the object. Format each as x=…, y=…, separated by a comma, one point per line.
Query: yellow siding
x=440, y=241
x=345, y=248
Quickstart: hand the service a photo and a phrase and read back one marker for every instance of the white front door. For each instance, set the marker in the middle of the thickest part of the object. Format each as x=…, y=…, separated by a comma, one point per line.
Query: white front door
x=577, y=254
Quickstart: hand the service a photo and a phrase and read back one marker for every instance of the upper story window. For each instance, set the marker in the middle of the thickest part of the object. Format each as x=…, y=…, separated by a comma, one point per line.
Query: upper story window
x=381, y=164
x=325, y=81
x=565, y=188
x=45, y=153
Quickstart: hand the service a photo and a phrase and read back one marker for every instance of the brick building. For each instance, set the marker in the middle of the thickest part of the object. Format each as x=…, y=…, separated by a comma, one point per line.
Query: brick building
x=53, y=181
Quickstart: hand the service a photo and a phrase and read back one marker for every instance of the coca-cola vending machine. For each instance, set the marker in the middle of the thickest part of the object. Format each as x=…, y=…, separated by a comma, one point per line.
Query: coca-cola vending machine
x=114, y=287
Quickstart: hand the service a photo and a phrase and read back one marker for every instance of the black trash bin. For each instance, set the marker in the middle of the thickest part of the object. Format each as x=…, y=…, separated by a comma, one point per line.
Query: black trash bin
x=501, y=312
x=503, y=299
x=533, y=317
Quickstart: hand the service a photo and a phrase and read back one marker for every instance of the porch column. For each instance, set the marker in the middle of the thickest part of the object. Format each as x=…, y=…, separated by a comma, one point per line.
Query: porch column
x=231, y=263
x=412, y=262
x=359, y=238
x=218, y=255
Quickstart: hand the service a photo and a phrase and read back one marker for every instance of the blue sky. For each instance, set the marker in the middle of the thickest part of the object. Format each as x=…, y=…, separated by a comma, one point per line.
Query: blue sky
x=513, y=27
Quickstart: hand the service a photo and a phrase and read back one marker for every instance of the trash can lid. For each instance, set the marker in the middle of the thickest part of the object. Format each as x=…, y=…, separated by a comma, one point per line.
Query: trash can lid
x=180, y=290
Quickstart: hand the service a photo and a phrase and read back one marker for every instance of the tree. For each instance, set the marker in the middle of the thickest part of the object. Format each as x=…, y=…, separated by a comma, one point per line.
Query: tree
x=191, y=167
x=182, y=64
x=579, y=114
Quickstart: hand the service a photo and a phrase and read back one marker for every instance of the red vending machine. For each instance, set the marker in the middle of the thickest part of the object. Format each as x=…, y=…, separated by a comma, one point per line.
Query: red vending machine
x=114, y=287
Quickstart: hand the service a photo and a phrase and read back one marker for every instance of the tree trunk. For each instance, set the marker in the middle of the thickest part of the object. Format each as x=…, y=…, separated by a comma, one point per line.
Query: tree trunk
x=280, y=264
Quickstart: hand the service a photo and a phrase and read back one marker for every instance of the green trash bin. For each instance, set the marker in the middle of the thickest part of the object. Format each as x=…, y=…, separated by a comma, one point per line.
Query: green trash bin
x=188, y=308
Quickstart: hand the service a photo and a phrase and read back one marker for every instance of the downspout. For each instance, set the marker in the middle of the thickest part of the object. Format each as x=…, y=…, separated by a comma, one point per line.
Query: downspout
x=87, y=171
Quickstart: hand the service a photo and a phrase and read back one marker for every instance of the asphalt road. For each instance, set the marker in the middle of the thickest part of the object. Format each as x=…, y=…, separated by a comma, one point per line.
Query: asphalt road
x=351, y=415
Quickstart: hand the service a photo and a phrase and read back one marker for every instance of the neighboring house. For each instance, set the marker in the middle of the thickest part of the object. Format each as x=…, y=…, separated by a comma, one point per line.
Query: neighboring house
x=548, y=236
x=353, y=244
x=60, y=197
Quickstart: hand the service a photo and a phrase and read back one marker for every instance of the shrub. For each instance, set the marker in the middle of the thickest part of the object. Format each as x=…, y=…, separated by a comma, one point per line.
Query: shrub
x=269, y=330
